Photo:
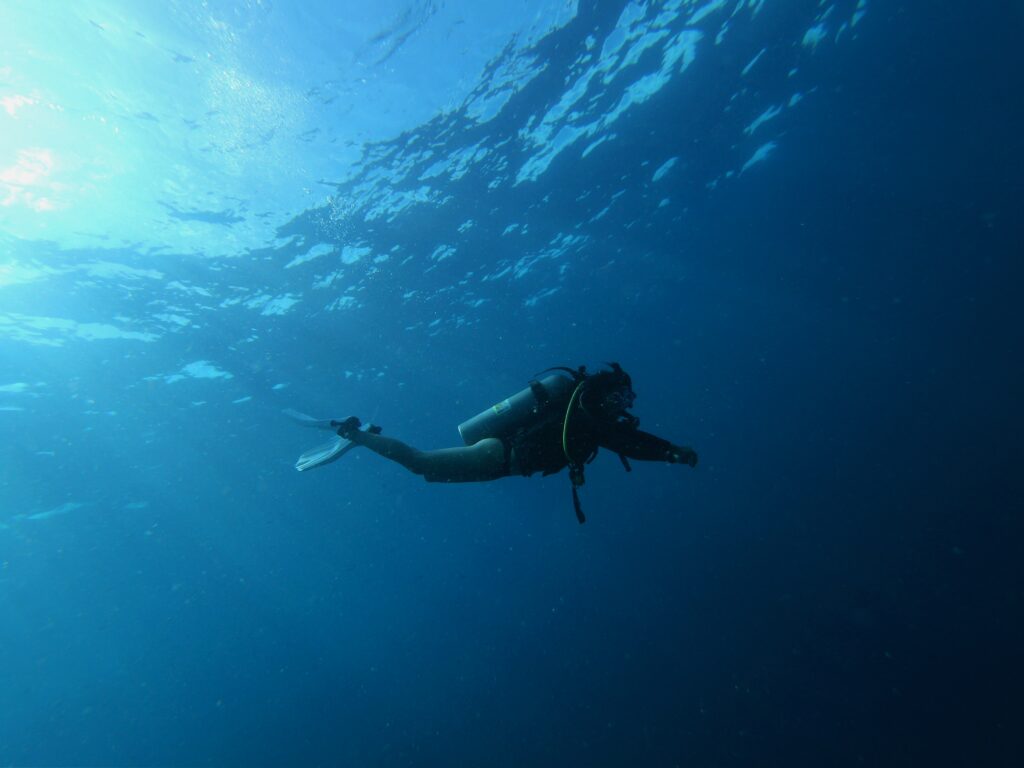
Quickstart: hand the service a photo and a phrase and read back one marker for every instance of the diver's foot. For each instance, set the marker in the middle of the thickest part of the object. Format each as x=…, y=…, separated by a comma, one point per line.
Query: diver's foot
x=347, y=427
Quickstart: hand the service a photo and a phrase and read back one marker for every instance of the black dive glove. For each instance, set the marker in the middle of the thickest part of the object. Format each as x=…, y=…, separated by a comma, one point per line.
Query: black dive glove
x=682, y=455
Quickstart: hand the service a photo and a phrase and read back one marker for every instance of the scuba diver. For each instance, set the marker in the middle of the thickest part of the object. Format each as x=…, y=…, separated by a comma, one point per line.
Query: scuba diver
x=560, y=420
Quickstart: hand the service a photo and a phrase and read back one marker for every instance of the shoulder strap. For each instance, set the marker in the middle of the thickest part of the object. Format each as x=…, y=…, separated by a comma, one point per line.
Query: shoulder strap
x=541, y=395
x=576, y=505
x=578, y=374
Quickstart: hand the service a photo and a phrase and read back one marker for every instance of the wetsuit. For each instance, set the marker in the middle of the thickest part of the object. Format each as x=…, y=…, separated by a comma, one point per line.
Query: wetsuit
x=540, y=449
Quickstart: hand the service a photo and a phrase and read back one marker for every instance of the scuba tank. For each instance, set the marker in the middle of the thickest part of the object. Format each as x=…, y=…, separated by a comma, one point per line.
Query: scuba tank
x=519, y=410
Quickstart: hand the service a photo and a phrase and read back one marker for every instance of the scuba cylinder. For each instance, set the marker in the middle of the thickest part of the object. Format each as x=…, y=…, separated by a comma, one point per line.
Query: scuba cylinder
x=519, y=410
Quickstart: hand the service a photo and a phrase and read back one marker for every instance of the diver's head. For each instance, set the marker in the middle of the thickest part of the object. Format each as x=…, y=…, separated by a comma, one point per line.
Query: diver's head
x=618, y=400
x=609, y=394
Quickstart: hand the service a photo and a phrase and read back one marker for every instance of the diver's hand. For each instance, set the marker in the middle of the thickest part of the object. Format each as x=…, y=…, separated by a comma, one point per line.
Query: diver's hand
x=682, y=455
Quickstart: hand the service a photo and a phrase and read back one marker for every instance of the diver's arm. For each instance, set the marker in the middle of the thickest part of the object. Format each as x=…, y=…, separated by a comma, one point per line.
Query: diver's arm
x=643, y=446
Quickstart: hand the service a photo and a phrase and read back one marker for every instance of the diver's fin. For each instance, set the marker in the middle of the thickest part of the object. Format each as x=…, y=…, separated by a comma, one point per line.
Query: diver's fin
x=324, y=454
x=309, y=421
x=328, y=452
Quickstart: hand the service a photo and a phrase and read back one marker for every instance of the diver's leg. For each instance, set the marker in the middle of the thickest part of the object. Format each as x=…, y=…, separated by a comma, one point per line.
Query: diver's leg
x=484, y=460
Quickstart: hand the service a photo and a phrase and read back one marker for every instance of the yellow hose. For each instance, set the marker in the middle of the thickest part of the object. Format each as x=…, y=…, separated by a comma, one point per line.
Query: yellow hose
x=565, y=424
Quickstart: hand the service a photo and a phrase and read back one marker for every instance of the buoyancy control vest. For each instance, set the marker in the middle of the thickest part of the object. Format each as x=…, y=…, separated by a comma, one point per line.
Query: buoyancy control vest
x=554, y=396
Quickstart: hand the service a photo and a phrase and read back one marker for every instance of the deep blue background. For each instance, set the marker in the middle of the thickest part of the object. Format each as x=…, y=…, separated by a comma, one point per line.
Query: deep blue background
x=837, y=582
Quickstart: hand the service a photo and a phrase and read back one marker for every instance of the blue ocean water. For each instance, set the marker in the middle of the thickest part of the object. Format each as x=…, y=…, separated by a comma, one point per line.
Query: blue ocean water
x=797, y=224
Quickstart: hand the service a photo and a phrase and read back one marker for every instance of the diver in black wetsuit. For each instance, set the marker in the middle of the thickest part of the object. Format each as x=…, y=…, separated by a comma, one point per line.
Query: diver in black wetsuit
x=559, y=421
